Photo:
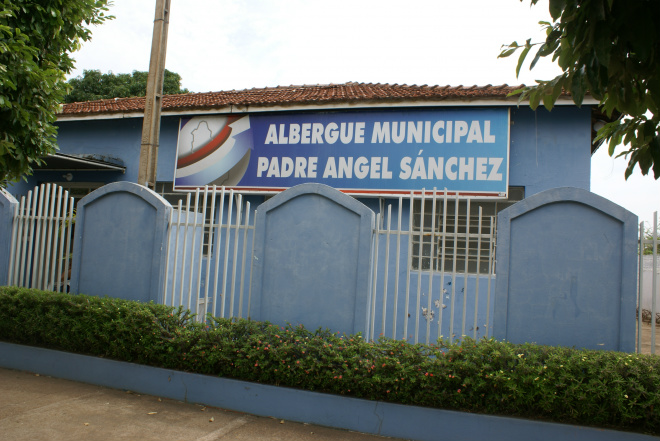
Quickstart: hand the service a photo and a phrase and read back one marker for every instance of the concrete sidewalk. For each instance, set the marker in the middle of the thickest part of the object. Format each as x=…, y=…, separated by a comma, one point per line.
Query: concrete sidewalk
x=34, y=407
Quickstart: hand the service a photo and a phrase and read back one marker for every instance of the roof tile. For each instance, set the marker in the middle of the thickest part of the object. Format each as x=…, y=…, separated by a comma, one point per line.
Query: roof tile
x=295, y=95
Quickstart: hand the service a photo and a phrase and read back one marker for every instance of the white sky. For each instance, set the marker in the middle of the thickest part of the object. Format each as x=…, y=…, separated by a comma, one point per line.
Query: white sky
x=240, y=44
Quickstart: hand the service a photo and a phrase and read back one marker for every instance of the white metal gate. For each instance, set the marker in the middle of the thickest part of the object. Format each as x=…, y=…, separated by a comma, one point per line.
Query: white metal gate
x=41, y=239
x=210, y=250
x=446, y=243
x=648, y=283
x=417, y=266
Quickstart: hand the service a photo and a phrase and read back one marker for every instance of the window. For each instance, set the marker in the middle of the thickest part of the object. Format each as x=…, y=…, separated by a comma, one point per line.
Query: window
x=451, y=238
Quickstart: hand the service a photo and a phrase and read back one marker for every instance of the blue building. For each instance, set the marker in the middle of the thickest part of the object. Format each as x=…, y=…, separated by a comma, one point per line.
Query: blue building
x=100, y=141
x=395, y=148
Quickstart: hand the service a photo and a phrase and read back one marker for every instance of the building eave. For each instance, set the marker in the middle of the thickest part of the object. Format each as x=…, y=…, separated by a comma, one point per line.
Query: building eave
x=307, y=107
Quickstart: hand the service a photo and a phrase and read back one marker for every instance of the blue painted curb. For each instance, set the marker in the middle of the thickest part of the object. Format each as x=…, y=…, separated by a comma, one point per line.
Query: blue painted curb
x=379, y=418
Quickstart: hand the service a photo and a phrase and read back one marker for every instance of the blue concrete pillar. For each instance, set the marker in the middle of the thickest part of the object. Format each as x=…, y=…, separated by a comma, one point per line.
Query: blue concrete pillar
x=566, y=272
x=120, y=243
x=313, y=251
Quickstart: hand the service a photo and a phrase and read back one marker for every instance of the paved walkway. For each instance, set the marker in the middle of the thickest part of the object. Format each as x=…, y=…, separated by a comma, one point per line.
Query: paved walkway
x=646, y=339
x=34, y=408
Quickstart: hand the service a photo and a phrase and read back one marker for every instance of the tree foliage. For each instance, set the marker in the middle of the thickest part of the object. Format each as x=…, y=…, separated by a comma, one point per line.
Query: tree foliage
x=648, y=236
x=94, y=85
x=609, y=49
x=36, y=40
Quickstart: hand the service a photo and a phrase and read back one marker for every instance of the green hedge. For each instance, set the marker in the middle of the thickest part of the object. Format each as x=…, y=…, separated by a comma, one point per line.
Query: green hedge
x=596, y=388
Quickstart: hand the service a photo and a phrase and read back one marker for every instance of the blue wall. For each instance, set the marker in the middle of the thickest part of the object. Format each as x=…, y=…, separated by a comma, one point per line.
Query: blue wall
x=119, y=243
x=566, y=272
x=312, y=260
x=548, y=149
x=117, y=138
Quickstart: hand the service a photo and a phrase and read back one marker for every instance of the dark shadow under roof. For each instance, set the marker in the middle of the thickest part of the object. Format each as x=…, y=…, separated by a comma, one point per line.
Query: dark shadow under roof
x=67, y=162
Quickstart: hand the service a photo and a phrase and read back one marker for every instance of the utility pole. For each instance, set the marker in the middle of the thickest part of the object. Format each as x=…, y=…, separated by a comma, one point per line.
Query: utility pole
x=154, y=99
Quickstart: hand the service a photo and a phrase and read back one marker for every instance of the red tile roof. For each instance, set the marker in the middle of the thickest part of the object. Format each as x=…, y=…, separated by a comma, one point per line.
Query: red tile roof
x=348, y=93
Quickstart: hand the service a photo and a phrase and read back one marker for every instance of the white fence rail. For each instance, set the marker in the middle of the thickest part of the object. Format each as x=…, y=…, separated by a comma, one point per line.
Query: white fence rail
x=41, y=239
x=437, y=263
x=206, y=273
x=445, y=244
x=432, y=274
x=649, y=282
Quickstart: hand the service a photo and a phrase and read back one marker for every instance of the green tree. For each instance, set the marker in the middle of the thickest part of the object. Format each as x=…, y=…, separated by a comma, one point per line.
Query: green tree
x=36, y=40
x=648, y=235
x=609, y=49
x=94, y=85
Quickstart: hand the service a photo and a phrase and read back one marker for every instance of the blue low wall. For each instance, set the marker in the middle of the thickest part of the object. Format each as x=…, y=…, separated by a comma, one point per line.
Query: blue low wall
x=566, y=272
x=312, y=260
x=386, y=419
x=119, y=243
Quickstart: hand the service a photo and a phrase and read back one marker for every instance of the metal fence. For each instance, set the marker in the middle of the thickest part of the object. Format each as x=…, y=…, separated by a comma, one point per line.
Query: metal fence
x=432, y=275
x=210, y=254
x=417, y=262
x=41, y=239
x=433, y=260
x=649, y=248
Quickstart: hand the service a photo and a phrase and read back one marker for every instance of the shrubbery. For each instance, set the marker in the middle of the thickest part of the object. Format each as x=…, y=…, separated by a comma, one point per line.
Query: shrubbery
x=598, y=388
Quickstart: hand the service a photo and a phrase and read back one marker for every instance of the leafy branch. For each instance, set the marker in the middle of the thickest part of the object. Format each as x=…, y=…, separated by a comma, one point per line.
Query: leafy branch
x=601, y=52
x=36, y=40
